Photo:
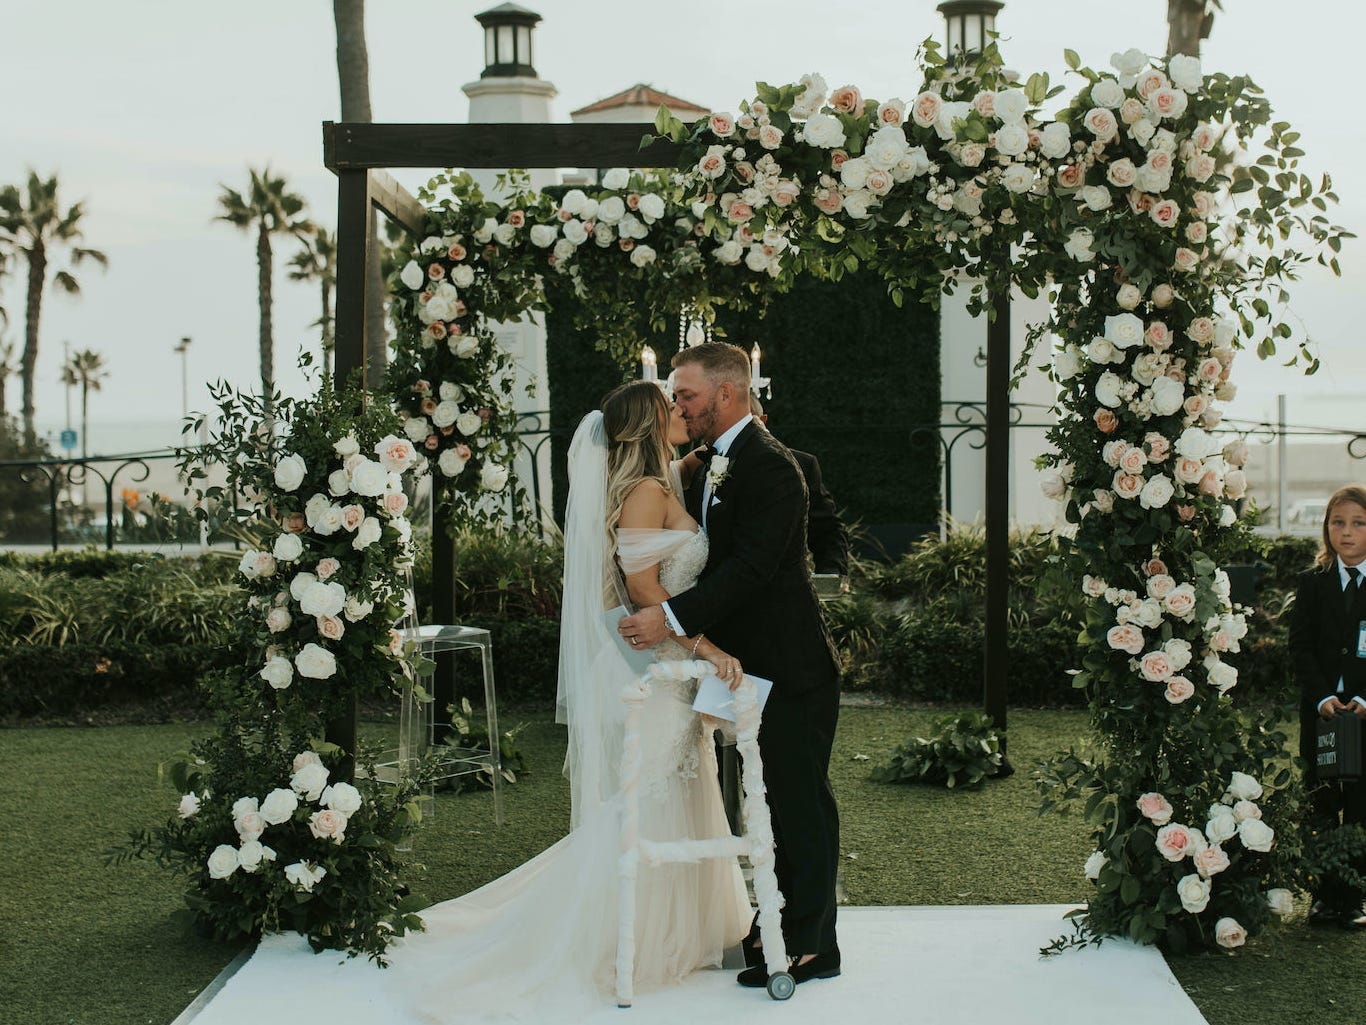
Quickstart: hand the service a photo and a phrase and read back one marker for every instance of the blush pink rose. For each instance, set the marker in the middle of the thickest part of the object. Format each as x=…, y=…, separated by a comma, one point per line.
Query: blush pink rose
x=1165, y=213
x=1071, y=176
x=517, y=218
x=740, y=212
x=1179, y=689
x=1151, y=81
x=1158, y=447
x=1125, y=637
x=1174, y=841
x=354, y=515
x=1155, y=667
x=1127, y=485
x=829, y=201
x=328, y=825
x=1211, y=861
x=395, y=502
x=329, y=566
x=1106, y=420
x=1154, y=566
x=1185, y=513
x=1155, y=808
x=1188, y=470
x=721, y=125
x=1161, y=584
x=1158, y=336
x=1196, y=232
x=436, y=271
x=1133, y=460
x=1195, y=405
x=847, y=99
x=926, y=108
x=456, y=252
x=1186, y=260
x=1101, y=123
x=331, y=627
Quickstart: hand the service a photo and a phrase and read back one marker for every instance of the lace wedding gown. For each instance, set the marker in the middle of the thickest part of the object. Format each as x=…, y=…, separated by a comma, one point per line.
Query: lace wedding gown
x=540, y=941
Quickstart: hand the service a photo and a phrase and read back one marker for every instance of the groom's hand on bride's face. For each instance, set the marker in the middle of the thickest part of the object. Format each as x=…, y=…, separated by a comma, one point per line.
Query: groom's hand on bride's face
x=645, y=629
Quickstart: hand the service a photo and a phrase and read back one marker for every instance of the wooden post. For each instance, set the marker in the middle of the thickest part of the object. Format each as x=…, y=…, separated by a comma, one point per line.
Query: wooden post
x=996, y=662
x=353, y=223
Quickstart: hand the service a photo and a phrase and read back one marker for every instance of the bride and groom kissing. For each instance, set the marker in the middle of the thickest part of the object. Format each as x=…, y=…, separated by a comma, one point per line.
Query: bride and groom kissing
x=711, y=550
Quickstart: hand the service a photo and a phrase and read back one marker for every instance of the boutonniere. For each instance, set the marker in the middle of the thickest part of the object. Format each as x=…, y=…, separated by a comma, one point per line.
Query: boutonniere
x=717, y=471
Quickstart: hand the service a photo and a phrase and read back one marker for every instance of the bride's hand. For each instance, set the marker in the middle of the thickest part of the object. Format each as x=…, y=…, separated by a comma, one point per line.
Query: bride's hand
x=727, y=666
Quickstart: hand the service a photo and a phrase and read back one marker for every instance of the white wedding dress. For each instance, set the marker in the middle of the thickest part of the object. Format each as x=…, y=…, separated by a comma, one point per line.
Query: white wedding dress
x=541, y=941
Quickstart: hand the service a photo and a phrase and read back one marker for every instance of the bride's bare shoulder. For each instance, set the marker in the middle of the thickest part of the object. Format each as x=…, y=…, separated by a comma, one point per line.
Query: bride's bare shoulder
x=646, y=505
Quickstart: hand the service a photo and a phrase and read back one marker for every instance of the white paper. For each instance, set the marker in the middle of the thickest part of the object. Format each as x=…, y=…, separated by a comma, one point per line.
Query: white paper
x=715, y=699
x=637, y=660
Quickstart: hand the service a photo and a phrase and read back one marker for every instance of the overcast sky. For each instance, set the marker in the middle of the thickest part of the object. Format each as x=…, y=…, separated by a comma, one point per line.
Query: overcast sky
x=144, y=106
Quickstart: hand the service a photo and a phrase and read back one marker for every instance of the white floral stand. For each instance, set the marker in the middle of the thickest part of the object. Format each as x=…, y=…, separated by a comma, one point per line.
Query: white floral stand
x=757, y=842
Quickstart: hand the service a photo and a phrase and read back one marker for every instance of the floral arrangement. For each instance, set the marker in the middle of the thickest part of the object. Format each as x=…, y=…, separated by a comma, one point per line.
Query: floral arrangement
x=1159, y=238
x=271, y=834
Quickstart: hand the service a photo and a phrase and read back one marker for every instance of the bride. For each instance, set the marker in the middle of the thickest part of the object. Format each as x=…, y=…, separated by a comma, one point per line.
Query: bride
x=542, y=939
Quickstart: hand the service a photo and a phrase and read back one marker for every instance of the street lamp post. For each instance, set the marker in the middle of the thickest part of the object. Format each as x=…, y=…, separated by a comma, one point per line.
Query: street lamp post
x=183, y=348
x=968, y=24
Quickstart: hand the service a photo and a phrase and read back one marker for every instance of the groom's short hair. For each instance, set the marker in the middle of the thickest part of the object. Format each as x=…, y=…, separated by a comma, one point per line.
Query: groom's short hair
x=720, y=361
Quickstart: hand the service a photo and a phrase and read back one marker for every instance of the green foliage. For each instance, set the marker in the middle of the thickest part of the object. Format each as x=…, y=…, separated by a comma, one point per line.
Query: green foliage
x=24, y=504
x=963, y=752
x=470, y=732
x=1337, y=854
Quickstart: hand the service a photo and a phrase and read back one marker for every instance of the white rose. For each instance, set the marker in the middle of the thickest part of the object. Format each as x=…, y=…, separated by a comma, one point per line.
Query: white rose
x=278, y=672
x=1168, y=396
x=252, y=853
x=887, y=146
x=611, y=210
x=1280, y=901
x=339, y=482
x=416, y=428
x=1229, y=934
x=1107, y=389
x=305, y=875
x=1078, y=246
x=642, y=256
x=493, y=477
x=616, y=178
x=652, y=206
x=342, y=797
x=1129, y=63
x=412, y=276
x=1124, y=330
x=450, y=463
x=356, y=610
x=463, y=275
x=1067, y=362
x=328, y=522
x=1010, y=106
x=189, y=805
x=575, y=234
x=1107, y=93
x=1012, y=140
x=278, y=620
x=309, y=781
x=367, y=534
x=1096, y=197
x=450, y=392
x=1056, y=140
x=1195, y=443
x=729, y=252
x=1185, y=72
x=1157, y=492
x=316, y=663
x=504, y=234
x=1243, y=787
x=1052, y=485
x=1221, y=674
x=290, y=472
x=223, y=862
x=445, y=413
x=1194, y=893
x=1018, y=178
x=825, y=131
x=1094, y=864
x=542, y=235
x=1098, y=350
x=1142, y=131
x=1221, y=825
x=369, y=478
x=288, y=547
x=322, y=599
x=855, y=205
x=469, y=423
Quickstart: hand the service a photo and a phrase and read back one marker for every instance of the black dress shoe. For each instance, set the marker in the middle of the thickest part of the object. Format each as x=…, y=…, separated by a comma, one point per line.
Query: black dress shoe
x=822, y=966
x=753, y=955
x=1353, y=918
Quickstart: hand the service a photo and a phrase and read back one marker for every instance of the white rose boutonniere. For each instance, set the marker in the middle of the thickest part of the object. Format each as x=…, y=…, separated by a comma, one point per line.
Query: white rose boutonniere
x=717, y=471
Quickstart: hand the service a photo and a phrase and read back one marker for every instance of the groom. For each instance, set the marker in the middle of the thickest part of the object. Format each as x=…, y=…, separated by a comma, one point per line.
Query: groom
x=755, y=600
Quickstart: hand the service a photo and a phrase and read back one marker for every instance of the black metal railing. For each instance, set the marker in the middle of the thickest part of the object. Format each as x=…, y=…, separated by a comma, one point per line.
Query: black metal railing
x=75, y=523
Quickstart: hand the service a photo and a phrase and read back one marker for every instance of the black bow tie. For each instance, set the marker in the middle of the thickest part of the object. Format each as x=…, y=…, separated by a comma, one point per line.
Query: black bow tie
x=704, y=453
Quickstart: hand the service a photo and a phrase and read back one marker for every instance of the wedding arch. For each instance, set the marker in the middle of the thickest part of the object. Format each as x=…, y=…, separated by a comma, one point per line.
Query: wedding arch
x=1138, y=209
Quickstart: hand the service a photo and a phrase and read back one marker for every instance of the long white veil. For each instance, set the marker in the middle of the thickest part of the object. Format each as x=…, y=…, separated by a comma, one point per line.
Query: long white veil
x=593, y=671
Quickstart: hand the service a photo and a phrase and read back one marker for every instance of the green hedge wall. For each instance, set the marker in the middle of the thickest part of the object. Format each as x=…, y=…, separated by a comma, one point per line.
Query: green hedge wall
x=851, y=371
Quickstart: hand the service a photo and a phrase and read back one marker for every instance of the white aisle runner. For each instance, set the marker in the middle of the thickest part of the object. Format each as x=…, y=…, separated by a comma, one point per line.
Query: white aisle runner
x=976, y=965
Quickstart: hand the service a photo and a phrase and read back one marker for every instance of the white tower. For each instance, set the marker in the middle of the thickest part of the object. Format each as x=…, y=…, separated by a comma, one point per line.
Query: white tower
x=510, y=92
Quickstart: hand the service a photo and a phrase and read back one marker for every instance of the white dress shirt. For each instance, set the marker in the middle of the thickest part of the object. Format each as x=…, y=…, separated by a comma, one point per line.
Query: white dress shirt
x=720, y=447
x=1343, y=579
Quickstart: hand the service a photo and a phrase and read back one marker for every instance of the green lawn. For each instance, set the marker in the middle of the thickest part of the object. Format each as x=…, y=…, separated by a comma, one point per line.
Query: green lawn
x=84, y=944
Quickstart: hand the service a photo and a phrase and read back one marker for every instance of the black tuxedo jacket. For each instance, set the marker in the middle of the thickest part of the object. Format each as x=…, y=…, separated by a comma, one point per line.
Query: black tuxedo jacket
x=754, y=598
x=826, y=537
x=1323, y=645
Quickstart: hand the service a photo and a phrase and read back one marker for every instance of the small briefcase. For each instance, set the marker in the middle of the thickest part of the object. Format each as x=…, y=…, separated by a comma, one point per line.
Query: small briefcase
x=1337, y=750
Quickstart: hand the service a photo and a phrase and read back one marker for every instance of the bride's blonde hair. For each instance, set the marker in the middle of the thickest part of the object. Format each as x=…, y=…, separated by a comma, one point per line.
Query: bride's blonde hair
x=635, y=417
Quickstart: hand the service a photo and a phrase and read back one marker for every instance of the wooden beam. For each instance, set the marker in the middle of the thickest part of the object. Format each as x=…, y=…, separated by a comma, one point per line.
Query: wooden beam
x=350, y=146
x=353, y=224
x=398, y=203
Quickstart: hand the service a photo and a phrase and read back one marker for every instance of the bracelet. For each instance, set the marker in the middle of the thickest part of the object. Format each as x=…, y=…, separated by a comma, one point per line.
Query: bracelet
x=695, y=643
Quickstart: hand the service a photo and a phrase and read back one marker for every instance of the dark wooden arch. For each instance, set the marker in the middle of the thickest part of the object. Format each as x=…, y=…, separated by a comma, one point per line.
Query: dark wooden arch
x=360, y=154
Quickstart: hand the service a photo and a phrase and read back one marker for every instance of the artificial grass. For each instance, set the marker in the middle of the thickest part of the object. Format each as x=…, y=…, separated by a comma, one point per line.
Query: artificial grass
x=83, y=943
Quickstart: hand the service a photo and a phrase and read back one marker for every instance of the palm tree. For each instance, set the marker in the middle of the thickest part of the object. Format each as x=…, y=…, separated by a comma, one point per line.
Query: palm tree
x=1189, y=22
x=270, y=208
x=353, y=75
x=32, y=223
x=85, y=368
x=316, y=260
x=7, y=368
